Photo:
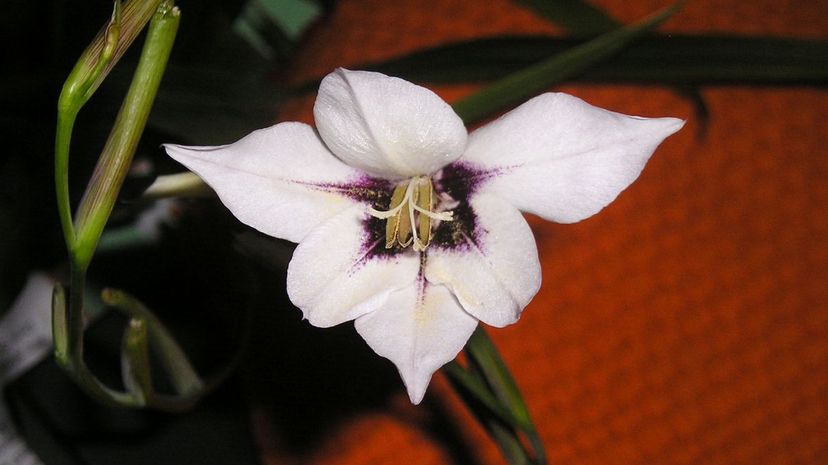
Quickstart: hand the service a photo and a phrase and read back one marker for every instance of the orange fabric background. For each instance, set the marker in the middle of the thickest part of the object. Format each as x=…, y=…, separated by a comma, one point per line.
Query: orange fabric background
x=687, y=322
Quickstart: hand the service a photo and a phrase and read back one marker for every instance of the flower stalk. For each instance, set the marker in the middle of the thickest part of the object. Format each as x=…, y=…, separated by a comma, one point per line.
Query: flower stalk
x=111, y=169
x=144, y=331
x=89, y=72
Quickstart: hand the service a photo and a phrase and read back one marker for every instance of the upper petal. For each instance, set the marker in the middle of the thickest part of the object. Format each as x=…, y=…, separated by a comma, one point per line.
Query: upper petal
x=495, y=272
x=336, y=274
x=420, y=328
x=386, y=126
x=563, y=159
x=281, y=180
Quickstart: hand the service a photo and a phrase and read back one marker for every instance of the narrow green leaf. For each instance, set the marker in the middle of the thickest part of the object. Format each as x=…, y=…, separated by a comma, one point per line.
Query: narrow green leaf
x=676, y=59
x=491, y=413
x=477, y=387
x=536, y=78
x=189, y=387
x=510, y=444
x=176, y=365
x=484, y=355
x=577, y=16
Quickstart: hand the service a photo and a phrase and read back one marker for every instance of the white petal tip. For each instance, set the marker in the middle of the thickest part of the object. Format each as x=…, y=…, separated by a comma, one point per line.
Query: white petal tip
x=416, y=398
x=673, y=125
x=416, y=387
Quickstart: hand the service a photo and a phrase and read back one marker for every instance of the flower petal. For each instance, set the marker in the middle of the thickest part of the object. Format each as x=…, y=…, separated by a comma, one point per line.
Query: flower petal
x=386, y=126
x=560, y=158
x=335, y=275
x=495, y=273
x=280, y=180
x=420, y=328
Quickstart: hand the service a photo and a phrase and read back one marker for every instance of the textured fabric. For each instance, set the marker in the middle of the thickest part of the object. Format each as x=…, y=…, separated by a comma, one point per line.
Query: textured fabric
x=687, y=323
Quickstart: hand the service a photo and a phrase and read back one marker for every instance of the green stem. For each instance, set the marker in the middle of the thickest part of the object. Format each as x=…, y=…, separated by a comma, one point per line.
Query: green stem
x=90, y=70
x=65, y=123
x=82, y=236
x=112, y=167
x=76, y=363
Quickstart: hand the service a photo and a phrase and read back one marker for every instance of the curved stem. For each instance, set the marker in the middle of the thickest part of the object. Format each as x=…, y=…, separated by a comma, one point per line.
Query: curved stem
x=63, y=139
x=82, y=236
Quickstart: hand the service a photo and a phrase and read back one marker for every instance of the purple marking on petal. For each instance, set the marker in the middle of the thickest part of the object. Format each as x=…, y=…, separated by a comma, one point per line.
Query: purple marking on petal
x=460, y=180
x=373, y=229
x=373, y=243
x=454, y=186
x=422, y=283
x=363, y=189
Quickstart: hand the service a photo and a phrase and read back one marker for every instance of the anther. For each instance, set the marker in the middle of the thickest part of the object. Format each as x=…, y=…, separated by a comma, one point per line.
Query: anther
x=410, y=214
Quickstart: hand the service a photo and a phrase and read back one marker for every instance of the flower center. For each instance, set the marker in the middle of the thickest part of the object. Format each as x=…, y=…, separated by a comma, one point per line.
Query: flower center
x=410, y=214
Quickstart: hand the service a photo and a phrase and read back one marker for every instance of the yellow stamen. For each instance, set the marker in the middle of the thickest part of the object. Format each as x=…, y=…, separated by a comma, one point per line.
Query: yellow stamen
x=410, y=214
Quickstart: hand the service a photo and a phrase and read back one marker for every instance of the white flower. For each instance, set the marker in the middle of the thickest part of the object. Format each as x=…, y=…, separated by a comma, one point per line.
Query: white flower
x=408, y=225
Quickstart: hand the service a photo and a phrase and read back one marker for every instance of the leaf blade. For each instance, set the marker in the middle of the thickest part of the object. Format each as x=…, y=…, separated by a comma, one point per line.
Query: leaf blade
x=577, y=16
x=540, y=76
x=677, y=59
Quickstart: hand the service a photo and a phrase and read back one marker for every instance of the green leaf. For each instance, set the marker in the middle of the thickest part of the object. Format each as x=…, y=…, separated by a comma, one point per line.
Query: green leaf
x=577, y=16
x=148, y=330
x=526, y=82
x=477, y=388
x=479, y=385
x=483, y=355
x=510, y=444
x=505, y=436
x=676, y=59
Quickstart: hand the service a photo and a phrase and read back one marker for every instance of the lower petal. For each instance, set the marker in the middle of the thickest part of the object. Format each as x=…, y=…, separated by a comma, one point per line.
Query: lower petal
x=336, y=275
x=419, y=328
x=495, y=272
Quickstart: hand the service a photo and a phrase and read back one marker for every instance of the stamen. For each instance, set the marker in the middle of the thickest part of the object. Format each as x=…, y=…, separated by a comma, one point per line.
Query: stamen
x=413, y=225
x=383, y=214
x=442, y=216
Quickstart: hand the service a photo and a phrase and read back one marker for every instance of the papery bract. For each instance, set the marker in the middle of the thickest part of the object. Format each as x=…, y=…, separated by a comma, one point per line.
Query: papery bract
x=407, y=225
